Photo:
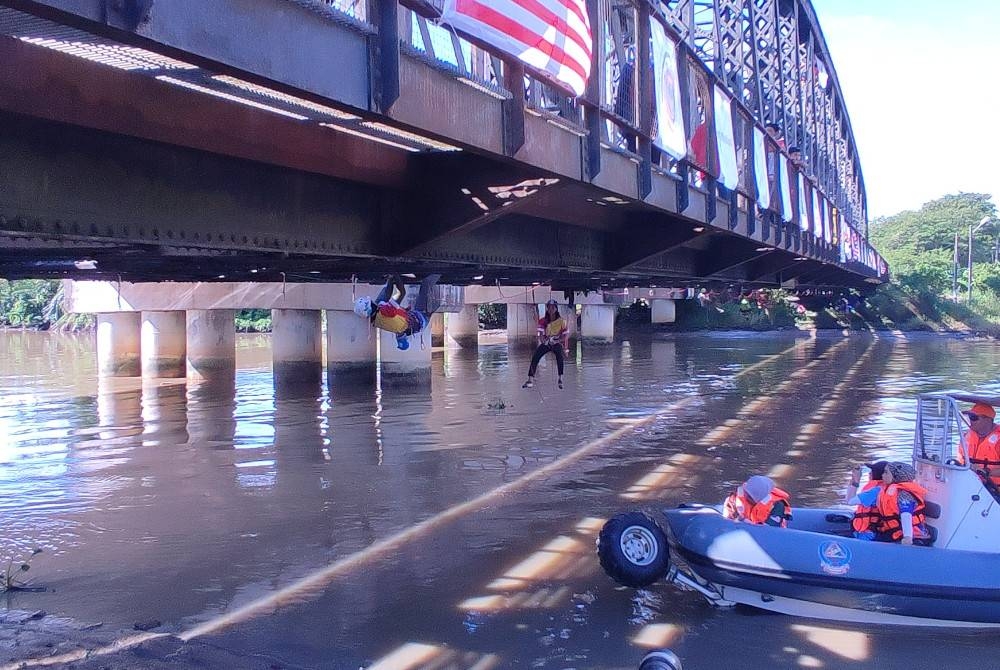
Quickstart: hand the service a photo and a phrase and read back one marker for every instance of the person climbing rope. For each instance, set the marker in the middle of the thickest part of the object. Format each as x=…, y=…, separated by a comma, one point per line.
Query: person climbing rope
x=386, y=313
x=552, y=336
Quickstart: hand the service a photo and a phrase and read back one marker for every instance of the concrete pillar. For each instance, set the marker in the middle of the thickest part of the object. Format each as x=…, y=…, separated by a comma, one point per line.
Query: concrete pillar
x=164, y=344
x=296, y=346
x=522, y=323
x=118, y=344
x=350, y=346
x=437, y=329
x=597, y=324
x=663, y=310
x=463, y=327
x=211, y=344
x=568, y=313
x=412, y=366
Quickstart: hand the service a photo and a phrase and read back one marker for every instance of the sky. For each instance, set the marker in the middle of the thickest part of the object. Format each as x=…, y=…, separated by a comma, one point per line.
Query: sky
x=919, y=79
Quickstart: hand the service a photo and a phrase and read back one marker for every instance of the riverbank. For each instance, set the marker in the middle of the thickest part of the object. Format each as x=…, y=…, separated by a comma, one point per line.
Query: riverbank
x=35, y=638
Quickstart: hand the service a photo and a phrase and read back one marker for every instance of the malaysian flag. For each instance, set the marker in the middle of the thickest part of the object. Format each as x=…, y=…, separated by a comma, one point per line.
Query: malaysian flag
x=551, y=36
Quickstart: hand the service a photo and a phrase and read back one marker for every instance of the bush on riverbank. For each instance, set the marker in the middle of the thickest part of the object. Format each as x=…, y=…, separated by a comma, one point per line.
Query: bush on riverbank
x=30, y=303
x=253, y=321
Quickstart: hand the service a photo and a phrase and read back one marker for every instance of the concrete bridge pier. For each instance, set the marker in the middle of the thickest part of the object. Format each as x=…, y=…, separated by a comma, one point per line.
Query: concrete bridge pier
x=296, y=347
x=436, y=327
x=568, y=313
x=405, y=368
x=663, y=310
x=597, y=323
x=118, y=344
x=163, y=344
x=350, y=347
x=462, y=328
x=522, y=324
x=211, y=344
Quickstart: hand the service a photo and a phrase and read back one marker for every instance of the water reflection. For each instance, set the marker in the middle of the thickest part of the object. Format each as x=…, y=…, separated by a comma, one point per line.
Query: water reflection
x=183, y=501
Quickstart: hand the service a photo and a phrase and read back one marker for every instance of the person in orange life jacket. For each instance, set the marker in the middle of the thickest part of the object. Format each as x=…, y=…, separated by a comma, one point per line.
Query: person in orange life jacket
x=982, y=441
x=552, y=335
x=865, y=516
x=385, y=311
x=758, y=501
x=899, y=503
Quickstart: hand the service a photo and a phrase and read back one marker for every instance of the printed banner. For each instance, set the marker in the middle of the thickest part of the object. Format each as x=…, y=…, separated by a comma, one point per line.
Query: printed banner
x=670, y=135
x=728, y=172
x=552, y=36
x=817, y=214
x=760, y=169
x=803, y=206
x=786, y=189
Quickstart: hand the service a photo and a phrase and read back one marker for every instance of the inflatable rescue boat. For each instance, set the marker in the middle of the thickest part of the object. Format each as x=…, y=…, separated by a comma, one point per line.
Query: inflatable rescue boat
x=816, y=568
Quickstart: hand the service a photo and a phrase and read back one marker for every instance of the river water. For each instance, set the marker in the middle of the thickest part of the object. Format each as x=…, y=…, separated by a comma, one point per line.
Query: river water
x=449, y=526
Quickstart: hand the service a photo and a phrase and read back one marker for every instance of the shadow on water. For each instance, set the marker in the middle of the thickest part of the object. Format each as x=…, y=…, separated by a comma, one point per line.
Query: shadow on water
x=180, y=502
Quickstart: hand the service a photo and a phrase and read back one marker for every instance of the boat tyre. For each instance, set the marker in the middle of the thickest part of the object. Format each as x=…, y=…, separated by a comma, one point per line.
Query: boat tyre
x=661, y=659
x=633, y=549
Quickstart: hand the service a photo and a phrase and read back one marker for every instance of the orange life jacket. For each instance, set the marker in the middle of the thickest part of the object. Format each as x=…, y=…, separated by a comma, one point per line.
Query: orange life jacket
x=888, y=509
x=864, y=516
x=739, y=507
x=984, y=453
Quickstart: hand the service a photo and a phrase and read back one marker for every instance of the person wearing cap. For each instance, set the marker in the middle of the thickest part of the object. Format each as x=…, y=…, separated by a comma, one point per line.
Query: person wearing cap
x=899, y=502
x=982, y=441
x=758, y=501
x=552, y=336
x=865, y=516
x=385, y=312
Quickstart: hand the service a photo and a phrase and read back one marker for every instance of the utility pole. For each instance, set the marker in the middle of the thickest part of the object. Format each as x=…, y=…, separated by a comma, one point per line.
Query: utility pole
x=954, y=272
x=982, y=222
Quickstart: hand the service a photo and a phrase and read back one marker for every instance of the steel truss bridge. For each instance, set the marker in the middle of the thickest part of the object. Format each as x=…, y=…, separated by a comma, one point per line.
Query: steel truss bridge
x=256, y=140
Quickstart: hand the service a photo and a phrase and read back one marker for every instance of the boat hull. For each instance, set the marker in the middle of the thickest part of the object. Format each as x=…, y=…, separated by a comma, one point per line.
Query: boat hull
x=813, y=568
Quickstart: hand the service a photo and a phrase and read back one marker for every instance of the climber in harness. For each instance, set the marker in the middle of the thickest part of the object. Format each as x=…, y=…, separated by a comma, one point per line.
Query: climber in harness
x=386, y=313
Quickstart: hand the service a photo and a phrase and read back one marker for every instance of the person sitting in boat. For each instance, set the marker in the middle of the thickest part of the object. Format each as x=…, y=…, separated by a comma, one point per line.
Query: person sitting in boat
x=865, y=516
x=758, y=501
x=899, y=504
x=982, y=442
x=385, y=311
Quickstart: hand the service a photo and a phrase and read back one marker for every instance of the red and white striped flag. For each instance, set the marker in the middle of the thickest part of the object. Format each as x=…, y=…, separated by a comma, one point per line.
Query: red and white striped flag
x=551, y=36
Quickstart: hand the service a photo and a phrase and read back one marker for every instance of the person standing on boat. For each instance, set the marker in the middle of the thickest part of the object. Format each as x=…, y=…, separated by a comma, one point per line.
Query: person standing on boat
x=552, y=335
x=865, y=516
x=982, y=441
x=758, y=501
x=899, y=502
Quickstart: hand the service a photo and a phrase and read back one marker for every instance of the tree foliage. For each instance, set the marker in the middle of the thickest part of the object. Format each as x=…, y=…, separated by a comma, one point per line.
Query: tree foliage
x=30, y=302
x=919, y=245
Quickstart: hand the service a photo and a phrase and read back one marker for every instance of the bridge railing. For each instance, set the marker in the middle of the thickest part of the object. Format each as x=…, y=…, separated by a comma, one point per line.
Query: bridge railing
x=768, y=55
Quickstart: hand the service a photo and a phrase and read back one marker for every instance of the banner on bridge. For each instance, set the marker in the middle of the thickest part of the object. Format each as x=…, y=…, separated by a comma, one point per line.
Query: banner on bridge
x=803, y=207
x=786, y=189
x=728, y=174
x=670, y=135
x=760, y=169
x=551, y=36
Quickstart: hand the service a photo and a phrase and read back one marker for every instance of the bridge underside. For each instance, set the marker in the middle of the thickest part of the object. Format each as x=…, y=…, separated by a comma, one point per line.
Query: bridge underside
x=167, y=183
x=157, y=212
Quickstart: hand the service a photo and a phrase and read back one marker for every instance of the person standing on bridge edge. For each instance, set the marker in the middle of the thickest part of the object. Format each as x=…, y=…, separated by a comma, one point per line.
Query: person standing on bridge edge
x=552, y=335
x=385, y=312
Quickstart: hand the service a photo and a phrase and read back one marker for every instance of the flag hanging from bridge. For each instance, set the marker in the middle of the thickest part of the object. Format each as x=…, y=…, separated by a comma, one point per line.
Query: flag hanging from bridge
x=551, y=36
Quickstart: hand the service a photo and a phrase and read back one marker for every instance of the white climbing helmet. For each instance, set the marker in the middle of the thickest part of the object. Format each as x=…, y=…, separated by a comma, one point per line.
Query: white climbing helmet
x=363, y=307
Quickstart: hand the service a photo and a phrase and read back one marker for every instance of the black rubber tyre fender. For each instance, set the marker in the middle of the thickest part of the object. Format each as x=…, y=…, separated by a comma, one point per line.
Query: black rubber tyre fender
x=661, y=659
x=633, y=549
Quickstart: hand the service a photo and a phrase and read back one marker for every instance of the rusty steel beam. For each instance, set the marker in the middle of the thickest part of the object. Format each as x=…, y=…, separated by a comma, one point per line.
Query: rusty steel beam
x=277, y=43
x=647, y=237
x=50, y=85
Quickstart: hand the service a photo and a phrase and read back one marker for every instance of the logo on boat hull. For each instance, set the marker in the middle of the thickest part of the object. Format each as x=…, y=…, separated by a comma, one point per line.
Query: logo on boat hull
x=834, y=558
